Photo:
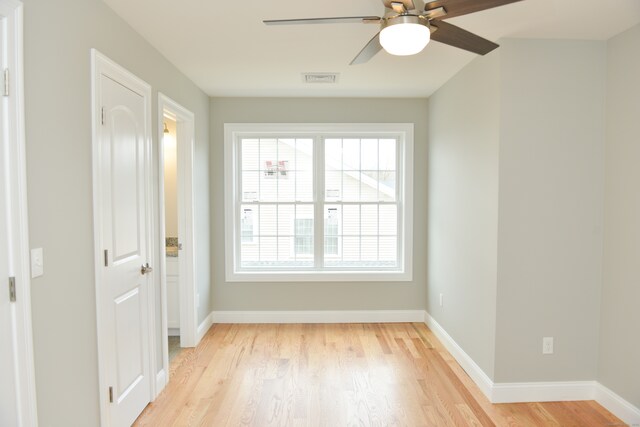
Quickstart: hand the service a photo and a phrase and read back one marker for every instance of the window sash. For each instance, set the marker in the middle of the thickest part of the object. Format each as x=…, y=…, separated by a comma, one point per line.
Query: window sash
x=318, y=237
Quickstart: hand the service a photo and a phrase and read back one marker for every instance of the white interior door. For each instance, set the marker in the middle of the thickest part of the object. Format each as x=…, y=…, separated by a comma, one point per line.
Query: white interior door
x=124, y=234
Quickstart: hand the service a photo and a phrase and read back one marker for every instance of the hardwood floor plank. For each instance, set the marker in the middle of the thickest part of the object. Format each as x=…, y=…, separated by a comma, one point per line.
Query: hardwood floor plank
x=338, y=375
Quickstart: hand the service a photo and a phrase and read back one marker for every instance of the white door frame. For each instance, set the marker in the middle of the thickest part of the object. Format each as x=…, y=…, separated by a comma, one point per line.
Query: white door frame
x=102, y=65
x=12, y=12
x=185, y=134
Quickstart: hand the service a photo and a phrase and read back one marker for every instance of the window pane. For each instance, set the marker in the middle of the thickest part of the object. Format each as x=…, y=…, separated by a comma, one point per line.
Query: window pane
x=333, y=185
x=369, y=154
x=250, y=155
x=268, y=154
x=387, y=148
x=350, y=154
x=268, y=220
x=285, y=254
x=250, y=190
x=303, y=231
x=351, y=220
x=304, y=186
x=351, y=186
x=268, y=185
x=331, y=231
x=303, y=237
x=369, y=186
x=268, y=250
x=369, y=250
x=350, y=250
x=387, y=186
x=304, y=155
x=388, y=251
x=248, y=229
x=287, y=153
x=250, y=252
x=369, y=220
x=286, y=215
x=388, y=220
x=286, y=185
x=333, y=154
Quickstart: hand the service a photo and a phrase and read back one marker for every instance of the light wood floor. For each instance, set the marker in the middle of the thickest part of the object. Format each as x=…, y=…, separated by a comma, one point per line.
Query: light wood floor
x=338, y=375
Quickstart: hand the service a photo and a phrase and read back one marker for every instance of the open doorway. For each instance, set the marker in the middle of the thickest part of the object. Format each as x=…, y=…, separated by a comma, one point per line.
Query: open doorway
x=178, y=309
x=172, y=241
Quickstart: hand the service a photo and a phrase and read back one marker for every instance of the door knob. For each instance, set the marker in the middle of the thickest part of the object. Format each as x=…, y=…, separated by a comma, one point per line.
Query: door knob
x=146, y=269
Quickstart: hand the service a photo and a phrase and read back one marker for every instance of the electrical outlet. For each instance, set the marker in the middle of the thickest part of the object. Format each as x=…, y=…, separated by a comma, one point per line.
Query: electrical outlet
x=547, y=345
x=441, y=300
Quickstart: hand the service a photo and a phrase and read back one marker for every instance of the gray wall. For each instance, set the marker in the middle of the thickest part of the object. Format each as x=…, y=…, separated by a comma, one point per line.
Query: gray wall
x=619, y=367
x=317, y=295
x=463, y=207
x=515, y=217
x=550, y=229
x=58, y=36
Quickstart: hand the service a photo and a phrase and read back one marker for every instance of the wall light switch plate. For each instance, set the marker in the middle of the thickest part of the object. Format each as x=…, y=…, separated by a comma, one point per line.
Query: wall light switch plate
x=547, y=345
x=37, y=263
x=441, y=300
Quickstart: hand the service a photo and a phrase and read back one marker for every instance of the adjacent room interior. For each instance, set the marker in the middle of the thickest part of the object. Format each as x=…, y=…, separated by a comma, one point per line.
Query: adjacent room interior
x=218, y=217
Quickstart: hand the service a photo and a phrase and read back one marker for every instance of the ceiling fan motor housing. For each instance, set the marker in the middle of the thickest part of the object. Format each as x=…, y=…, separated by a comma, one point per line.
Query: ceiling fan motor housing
x=405, y=18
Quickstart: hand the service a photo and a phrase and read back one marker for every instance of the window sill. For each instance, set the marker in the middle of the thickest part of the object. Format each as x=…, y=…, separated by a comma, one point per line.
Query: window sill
x=316, y=276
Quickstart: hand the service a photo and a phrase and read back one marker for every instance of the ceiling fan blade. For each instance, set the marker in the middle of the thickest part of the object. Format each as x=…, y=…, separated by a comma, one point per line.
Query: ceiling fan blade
x=337, y=20
x=369, y=51
x=463, y=39
x=463, y=7
x=408, y=4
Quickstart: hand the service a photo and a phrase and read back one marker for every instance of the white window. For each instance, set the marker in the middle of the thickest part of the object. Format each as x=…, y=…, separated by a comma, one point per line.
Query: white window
x=318, y=202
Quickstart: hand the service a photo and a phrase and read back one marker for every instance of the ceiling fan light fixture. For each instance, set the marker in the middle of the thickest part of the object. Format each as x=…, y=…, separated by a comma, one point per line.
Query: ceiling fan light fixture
x=405, y=35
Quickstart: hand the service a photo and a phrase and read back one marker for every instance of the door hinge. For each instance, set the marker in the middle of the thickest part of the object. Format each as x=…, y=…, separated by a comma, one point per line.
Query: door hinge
x=106, y=258
x=102, y=115
x=5, y=90
x=12, y=289
x=110, y=394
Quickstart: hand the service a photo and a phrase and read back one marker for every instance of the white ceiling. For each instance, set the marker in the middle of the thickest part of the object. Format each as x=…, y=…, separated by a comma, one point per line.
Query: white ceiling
x=228, y=51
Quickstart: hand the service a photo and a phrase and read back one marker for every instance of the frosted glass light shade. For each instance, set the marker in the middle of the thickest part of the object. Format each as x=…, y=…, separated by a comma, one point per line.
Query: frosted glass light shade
x=405, y=38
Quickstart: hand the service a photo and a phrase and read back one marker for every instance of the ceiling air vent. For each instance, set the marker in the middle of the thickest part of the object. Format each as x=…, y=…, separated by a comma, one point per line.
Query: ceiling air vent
x=320, y=77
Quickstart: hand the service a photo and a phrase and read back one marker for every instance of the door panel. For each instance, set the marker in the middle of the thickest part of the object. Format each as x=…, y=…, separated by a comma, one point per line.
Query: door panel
x=128, y=338
x=125, y=235
x=125, y=172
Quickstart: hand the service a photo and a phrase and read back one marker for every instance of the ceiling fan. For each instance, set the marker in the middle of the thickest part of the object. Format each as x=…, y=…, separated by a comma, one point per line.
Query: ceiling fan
x=407, y=26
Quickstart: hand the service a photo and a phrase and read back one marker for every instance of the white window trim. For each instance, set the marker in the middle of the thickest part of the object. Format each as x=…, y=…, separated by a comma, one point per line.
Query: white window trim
x=405, y=194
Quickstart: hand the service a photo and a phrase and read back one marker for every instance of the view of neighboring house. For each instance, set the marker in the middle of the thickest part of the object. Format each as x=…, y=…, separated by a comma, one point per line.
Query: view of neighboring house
x=360, y=225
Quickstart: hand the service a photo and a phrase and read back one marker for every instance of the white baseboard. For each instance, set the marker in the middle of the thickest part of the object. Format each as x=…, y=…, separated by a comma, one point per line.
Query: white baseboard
x=203, y=327
x=357, y=316
x=161, y=382
x=476, y=373
x=556, y=391
x=622, y=409
x=537, y=391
